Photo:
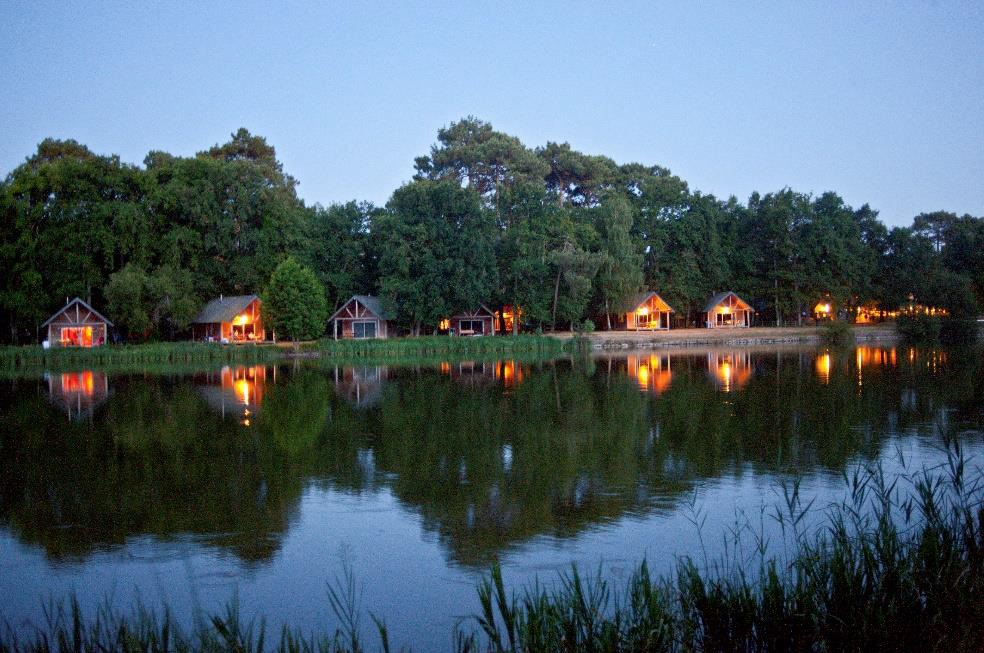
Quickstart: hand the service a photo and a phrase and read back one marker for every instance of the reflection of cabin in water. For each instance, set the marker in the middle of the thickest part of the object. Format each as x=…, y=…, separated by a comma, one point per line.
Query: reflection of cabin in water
x=476, y=373
x=472, y=372
x=648, y=311
x=361, y=386
x=77, y=325
x=652, y=372
x=727, y=310
x=236, y=391
x=729, y=370
x=230, y=319
x=78, y=393
x=361, y=317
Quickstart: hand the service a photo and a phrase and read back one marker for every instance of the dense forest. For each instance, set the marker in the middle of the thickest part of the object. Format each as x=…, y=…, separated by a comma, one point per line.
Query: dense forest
x=486, y=219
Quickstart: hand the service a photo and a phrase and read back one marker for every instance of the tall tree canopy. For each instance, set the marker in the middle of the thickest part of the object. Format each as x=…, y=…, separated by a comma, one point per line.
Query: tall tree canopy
x=562, y=234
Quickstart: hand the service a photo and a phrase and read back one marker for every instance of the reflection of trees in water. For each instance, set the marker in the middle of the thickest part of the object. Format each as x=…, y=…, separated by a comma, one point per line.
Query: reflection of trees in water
x=158, y=460
x=488, y=456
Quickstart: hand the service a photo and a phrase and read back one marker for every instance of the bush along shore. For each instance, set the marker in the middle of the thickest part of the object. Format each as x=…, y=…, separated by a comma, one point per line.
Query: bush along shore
x=897, y=566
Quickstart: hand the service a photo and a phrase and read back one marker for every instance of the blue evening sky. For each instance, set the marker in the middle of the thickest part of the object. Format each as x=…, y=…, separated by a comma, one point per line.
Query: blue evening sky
x=881, y=102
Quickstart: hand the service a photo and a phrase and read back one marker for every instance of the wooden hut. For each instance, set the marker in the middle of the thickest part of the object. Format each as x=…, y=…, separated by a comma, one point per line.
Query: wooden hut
x=230, y=319
x=478, y=322
x=77, y=325
x=360, y=317
x=648, y=311
x=727, y=310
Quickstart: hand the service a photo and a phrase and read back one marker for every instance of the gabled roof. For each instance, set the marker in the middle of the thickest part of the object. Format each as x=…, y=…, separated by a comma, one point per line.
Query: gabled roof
x=481, y=307
x=84, y=305
x=642, y=298
x=224, y=309
x=720, y=297
x=374, y=305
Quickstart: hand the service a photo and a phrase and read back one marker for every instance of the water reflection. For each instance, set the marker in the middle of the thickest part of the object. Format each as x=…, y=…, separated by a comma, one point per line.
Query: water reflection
x=78, y=393
x=652, y=372
x=730, y=370
x=360, y=386
x=236, y=391
x=488, y=454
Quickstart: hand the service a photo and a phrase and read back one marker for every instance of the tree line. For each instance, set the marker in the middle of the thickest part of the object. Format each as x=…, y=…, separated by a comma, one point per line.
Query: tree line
x=564, y=235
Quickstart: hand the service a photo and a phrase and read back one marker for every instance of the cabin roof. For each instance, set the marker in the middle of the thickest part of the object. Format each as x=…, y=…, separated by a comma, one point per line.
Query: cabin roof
x=720, y=297
x=481, y=307
x=374, y=305
x=643, y=297
x=224, y=309
x=84, y=304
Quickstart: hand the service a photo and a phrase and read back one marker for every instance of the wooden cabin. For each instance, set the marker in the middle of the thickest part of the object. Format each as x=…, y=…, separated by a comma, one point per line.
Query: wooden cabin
x=230, y=319
x=824, y=311
x=77, y=325
x=478, y=322
x=510, y=317
x=361, y=317
x=727, y=310
x=648, y=311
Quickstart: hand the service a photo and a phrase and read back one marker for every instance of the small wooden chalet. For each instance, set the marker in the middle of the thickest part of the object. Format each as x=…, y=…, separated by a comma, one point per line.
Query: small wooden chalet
x=360, y=317
x=727, y=310
x=230, y=319
x=478, y=322
x=648, y=311
x=77, y=325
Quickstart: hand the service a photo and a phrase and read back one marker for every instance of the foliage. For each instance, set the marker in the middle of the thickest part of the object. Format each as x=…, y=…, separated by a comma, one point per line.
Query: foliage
x=294, y=302
x=919, y=328
x=562, y=234
x=837, y=332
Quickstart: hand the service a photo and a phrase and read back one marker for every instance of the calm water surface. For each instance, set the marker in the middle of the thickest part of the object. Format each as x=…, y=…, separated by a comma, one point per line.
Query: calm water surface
x=262, y=484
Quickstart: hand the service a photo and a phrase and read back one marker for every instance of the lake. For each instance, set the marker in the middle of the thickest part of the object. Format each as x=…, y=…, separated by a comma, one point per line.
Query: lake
x=262, y=484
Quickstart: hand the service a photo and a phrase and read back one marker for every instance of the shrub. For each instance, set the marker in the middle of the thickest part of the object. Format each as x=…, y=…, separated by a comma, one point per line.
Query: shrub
x=919, y=328
x=837, y=332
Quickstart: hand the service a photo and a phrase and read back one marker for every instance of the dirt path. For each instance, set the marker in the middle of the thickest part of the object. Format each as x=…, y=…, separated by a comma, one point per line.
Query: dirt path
x=681, y=338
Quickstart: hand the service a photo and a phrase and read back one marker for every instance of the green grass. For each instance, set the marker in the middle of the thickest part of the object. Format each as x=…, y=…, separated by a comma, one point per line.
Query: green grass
x=412, y=350
x=887, y=570
x=431, y=347
x=37, y=358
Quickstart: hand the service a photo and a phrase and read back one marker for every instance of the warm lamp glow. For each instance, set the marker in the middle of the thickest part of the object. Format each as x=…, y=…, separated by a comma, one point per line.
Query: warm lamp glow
x=240, y=319
x=725, y=309
x=444, y=325
x=242, y=390
x=823, y=367
x=643, y=310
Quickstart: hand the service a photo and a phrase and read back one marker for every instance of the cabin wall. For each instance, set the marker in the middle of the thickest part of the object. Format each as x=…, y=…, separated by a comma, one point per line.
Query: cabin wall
x=488, y=323
x=346, y=327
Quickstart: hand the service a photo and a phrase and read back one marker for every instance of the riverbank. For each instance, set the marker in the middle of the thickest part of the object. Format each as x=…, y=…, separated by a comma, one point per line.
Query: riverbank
x=688, y=338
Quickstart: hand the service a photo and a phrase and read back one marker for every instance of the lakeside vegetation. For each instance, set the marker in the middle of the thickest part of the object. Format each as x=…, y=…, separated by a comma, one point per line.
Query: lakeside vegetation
x=566, y=236
x=897, y=565
x=421, y=349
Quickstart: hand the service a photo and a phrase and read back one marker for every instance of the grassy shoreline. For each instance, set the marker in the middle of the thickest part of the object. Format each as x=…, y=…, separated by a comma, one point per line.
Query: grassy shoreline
x=429, y=348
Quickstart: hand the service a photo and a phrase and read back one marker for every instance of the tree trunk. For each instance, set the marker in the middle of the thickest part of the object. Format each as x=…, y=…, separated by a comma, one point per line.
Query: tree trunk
x=553, y=318
x=515, y=326
x=608, y=316
x=778, y=317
